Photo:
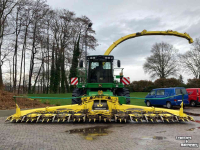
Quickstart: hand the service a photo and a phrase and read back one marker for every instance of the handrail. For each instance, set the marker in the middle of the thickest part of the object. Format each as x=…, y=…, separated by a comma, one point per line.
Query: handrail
x=32, y=97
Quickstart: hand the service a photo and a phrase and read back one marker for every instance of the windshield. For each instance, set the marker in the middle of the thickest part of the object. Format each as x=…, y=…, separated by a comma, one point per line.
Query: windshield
x=100, y=72
x=106, y=65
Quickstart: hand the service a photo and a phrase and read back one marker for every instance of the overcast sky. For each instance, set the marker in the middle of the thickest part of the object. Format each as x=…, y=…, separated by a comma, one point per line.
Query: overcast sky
x=113, y=19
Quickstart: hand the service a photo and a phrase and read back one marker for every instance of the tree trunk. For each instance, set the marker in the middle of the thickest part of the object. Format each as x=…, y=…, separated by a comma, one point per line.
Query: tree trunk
x=23, y=59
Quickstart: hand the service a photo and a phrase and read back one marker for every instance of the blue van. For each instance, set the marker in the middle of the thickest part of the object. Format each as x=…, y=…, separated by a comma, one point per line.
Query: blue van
x=166, y=92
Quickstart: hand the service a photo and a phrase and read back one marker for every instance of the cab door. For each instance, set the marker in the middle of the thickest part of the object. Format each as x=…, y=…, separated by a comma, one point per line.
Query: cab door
x=160, y=94
x=198, y=95
x=152, y=94
x=192, y=94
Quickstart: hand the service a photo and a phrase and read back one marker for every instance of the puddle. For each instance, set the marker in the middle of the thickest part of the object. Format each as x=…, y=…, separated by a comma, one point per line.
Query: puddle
x=161, y=132
x=154, y=138
x=91, y=133
x=192, y=129
x=192, y=114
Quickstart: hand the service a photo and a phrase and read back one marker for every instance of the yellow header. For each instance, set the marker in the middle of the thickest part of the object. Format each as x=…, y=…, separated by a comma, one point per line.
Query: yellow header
x=145, y=32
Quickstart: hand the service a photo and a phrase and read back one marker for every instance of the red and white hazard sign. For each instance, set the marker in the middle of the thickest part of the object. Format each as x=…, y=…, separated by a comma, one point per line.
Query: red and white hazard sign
x=74, y=81
x=126, y=80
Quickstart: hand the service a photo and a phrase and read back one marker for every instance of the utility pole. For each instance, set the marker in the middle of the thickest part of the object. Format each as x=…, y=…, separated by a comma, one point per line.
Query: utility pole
x=89, y=26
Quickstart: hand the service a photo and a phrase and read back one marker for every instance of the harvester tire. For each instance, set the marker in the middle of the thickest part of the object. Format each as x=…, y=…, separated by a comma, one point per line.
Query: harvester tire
x=77, y=93
x=124, y=92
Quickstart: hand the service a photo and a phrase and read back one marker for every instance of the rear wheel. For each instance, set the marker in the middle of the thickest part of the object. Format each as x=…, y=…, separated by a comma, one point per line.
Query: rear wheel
x=77, y=93
x=148, y=104
x=169, y=105
x=124, y=92
x=193, y=103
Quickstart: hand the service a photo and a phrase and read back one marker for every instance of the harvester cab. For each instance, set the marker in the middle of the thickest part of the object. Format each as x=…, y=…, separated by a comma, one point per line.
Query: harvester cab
x=99, y=75
x=100, y=69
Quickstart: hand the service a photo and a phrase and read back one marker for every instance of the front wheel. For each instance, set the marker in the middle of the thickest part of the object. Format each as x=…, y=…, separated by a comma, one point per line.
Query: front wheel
x=77, y=93
x=169, y=105
x=124, y=92
x=193, y=103
x=148, y=104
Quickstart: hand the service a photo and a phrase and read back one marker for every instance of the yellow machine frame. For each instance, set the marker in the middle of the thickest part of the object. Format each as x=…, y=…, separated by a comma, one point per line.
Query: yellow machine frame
x=144, y=33
x=85, y=112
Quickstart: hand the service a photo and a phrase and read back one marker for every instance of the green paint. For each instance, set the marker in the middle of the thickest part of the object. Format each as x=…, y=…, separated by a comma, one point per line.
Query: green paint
x=108, y=93
x=122, y=99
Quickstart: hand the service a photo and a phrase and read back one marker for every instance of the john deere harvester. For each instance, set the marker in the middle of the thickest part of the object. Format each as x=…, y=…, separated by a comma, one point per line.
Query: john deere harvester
x=101, y=96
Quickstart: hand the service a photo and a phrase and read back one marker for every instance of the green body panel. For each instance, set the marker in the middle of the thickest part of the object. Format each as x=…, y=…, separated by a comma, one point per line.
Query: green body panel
x=107, y=93
x=100, y=85
x=122, y=99
x=118, y=76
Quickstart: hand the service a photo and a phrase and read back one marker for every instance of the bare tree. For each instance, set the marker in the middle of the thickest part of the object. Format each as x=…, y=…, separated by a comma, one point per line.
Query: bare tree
x=190, y=61
x=27, y=19
x=162, y=62
x=29, y=28
x=40, y=9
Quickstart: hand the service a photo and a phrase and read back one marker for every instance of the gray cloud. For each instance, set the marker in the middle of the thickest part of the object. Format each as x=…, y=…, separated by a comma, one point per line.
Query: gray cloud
x=114, y=19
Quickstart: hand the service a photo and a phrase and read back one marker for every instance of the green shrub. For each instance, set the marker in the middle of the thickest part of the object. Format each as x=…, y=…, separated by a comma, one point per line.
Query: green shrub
x=57, y=104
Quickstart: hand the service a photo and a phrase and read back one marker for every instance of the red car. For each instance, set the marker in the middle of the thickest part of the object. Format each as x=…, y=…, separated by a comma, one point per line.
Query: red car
x=194, y=96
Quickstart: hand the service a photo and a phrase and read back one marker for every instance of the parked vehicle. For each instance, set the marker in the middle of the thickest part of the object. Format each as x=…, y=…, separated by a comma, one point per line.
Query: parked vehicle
x=194, y=96
x=160, y=93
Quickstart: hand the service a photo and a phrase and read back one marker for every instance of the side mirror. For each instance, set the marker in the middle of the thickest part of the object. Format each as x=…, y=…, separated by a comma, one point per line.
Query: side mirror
x=81, y=64
x=118, y=63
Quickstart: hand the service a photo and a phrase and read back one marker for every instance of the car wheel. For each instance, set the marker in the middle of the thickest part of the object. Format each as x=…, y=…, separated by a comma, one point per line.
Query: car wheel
x=148, y=104
x=193, y=103
x=169, y=105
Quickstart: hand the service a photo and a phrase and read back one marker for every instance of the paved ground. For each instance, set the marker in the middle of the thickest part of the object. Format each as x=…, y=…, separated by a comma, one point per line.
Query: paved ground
x=96, y=135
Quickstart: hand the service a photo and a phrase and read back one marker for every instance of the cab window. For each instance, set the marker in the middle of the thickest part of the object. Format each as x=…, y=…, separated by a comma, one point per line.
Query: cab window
x=160, y=92
x=178, y=91
x=181, y=91
x=94, y=65
x=107, y=65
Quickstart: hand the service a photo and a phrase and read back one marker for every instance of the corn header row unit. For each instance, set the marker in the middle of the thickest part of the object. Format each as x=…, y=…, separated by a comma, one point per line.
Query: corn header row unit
x=101, y=96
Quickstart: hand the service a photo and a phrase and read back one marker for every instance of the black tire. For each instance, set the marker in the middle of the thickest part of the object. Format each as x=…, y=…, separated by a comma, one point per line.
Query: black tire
x=124, y=92
x=169, y=105
x=148, y=104
x=77, y=93
x=193, y=103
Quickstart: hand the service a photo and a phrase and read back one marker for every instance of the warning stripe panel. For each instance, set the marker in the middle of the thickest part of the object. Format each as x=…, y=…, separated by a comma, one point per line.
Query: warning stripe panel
x=74, y=81
x=126, y=80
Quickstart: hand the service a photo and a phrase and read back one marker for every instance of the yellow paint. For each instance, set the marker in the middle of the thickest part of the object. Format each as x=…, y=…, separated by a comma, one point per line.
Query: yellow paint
x=130, y=112
x=144, y=33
